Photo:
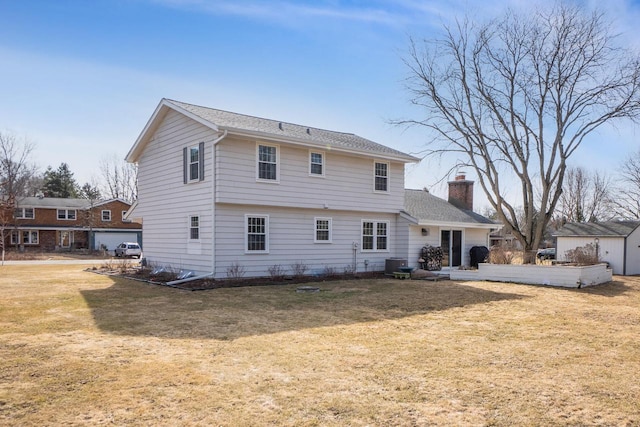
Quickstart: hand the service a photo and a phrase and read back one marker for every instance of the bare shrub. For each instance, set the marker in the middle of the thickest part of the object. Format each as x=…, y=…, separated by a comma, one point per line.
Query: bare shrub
x=329, y=271
x=123, y=266
x=582, y=255
x=277, y=272
x=349, y=270
x=299, y=269
x=502, y=255
x=236, y=271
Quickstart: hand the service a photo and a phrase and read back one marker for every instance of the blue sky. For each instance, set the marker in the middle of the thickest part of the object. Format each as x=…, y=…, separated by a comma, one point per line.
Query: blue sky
x=81, y=78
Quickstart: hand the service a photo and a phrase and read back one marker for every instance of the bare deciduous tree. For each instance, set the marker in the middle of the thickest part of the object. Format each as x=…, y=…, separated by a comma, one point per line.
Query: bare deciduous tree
x=627, y=201
x=15, y=174
x=585, y=197
x=515, y=98
x=119, y=179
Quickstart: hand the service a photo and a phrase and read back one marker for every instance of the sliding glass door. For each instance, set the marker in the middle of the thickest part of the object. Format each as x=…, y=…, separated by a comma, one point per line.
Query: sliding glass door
x=451, y=243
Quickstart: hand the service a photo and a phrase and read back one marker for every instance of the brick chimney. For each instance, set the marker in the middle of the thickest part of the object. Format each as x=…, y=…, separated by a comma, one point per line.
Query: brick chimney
x=461, y=192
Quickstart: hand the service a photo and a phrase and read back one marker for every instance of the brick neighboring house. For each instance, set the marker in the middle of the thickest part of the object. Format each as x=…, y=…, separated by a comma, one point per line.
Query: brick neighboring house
x=48, y=223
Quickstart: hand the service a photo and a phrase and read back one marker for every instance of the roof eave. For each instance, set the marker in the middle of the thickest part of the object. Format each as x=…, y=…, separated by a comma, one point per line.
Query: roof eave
x=454, y=224
x=152, y=125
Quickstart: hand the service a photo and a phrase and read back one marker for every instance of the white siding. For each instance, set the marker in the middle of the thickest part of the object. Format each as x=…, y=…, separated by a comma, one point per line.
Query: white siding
x=347, y=184
x=344, y=194
x=633, y=253
x=470, y=237
x=165, y=202
x=291, y=240
x=417, y=241
x=611, y=249
x=474, y=237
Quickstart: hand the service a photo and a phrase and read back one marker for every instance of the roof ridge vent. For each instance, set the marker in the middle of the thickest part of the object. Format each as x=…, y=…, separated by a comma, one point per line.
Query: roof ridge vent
x=280, y=126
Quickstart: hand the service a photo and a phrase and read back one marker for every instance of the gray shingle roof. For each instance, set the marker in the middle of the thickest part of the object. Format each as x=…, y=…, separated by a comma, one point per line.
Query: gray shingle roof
x=424, y=206
x=607, y=228
x=53, y=202
x=61, y=203
x=325, y=138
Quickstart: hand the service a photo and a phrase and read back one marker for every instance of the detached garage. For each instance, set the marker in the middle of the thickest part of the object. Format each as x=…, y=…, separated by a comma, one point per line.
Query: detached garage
x=617, y=242
x=111, y=239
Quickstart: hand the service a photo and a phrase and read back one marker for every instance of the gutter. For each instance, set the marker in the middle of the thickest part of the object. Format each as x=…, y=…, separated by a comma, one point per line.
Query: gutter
x=214, y=161
x=624, y=259
x=189, y=279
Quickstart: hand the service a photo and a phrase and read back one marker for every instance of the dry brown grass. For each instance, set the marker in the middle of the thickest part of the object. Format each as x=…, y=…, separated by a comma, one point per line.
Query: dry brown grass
x=80, y=348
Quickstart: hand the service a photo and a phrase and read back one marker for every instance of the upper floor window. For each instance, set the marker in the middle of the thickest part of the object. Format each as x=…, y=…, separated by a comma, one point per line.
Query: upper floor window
x=106, y=215
x=25, y=213
x=66, y=214
x=381, y=176
x=124, y=214
x=323, y=230
x=257, y=233
x=316, y=163
x=268, y=162
x=193, y=163
x=375, y=235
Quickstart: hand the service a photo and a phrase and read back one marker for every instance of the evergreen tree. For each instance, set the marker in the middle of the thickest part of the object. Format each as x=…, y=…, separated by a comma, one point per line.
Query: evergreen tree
x=60, y=182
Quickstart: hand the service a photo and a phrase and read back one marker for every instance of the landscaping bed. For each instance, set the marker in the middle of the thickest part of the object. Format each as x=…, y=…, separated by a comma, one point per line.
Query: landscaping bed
x=124, y=269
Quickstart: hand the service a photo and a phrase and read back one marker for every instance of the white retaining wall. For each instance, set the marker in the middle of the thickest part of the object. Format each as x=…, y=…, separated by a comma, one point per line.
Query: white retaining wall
x=550, y=275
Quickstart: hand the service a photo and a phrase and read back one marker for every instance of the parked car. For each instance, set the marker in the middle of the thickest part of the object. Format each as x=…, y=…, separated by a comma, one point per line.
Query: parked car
x=548, y=253
x=126, y=249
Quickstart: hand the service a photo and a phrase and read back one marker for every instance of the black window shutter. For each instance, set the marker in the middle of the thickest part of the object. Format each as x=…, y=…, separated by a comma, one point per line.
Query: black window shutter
x=185, y=165
x=201, y=162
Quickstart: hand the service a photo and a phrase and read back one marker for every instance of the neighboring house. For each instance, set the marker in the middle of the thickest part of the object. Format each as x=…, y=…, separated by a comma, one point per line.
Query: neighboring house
x=618, y=243
x=222, y=192
x=450, y=224
x=48, y=223
x=504, y=237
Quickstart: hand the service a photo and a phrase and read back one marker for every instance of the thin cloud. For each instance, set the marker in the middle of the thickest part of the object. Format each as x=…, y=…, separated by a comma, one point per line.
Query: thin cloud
x=289, y=12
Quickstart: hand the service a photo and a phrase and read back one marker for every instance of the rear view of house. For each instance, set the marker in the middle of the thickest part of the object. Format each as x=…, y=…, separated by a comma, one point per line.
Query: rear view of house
x=222, y=192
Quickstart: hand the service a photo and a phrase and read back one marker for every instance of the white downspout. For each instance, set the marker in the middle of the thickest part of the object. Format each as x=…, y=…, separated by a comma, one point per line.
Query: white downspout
x=213, y=201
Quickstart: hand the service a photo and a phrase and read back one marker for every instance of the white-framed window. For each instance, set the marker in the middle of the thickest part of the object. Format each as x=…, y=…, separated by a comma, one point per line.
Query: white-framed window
x=256, y=233
x=316, y=163
x=67, y=214
x=27, y=237
x=322, y=230
x=25, y=213
x=106, y=215
x=381, y=176
x=124, y=214
x=375, y=235
x=30, y=237
x=267, y=163
x=194, y=227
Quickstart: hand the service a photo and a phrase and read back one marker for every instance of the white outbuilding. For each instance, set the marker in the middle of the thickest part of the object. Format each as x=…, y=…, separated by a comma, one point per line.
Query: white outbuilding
x=616, y=242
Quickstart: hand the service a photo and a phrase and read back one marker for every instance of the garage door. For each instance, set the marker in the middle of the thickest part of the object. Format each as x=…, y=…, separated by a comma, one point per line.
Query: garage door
x=111, y=240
